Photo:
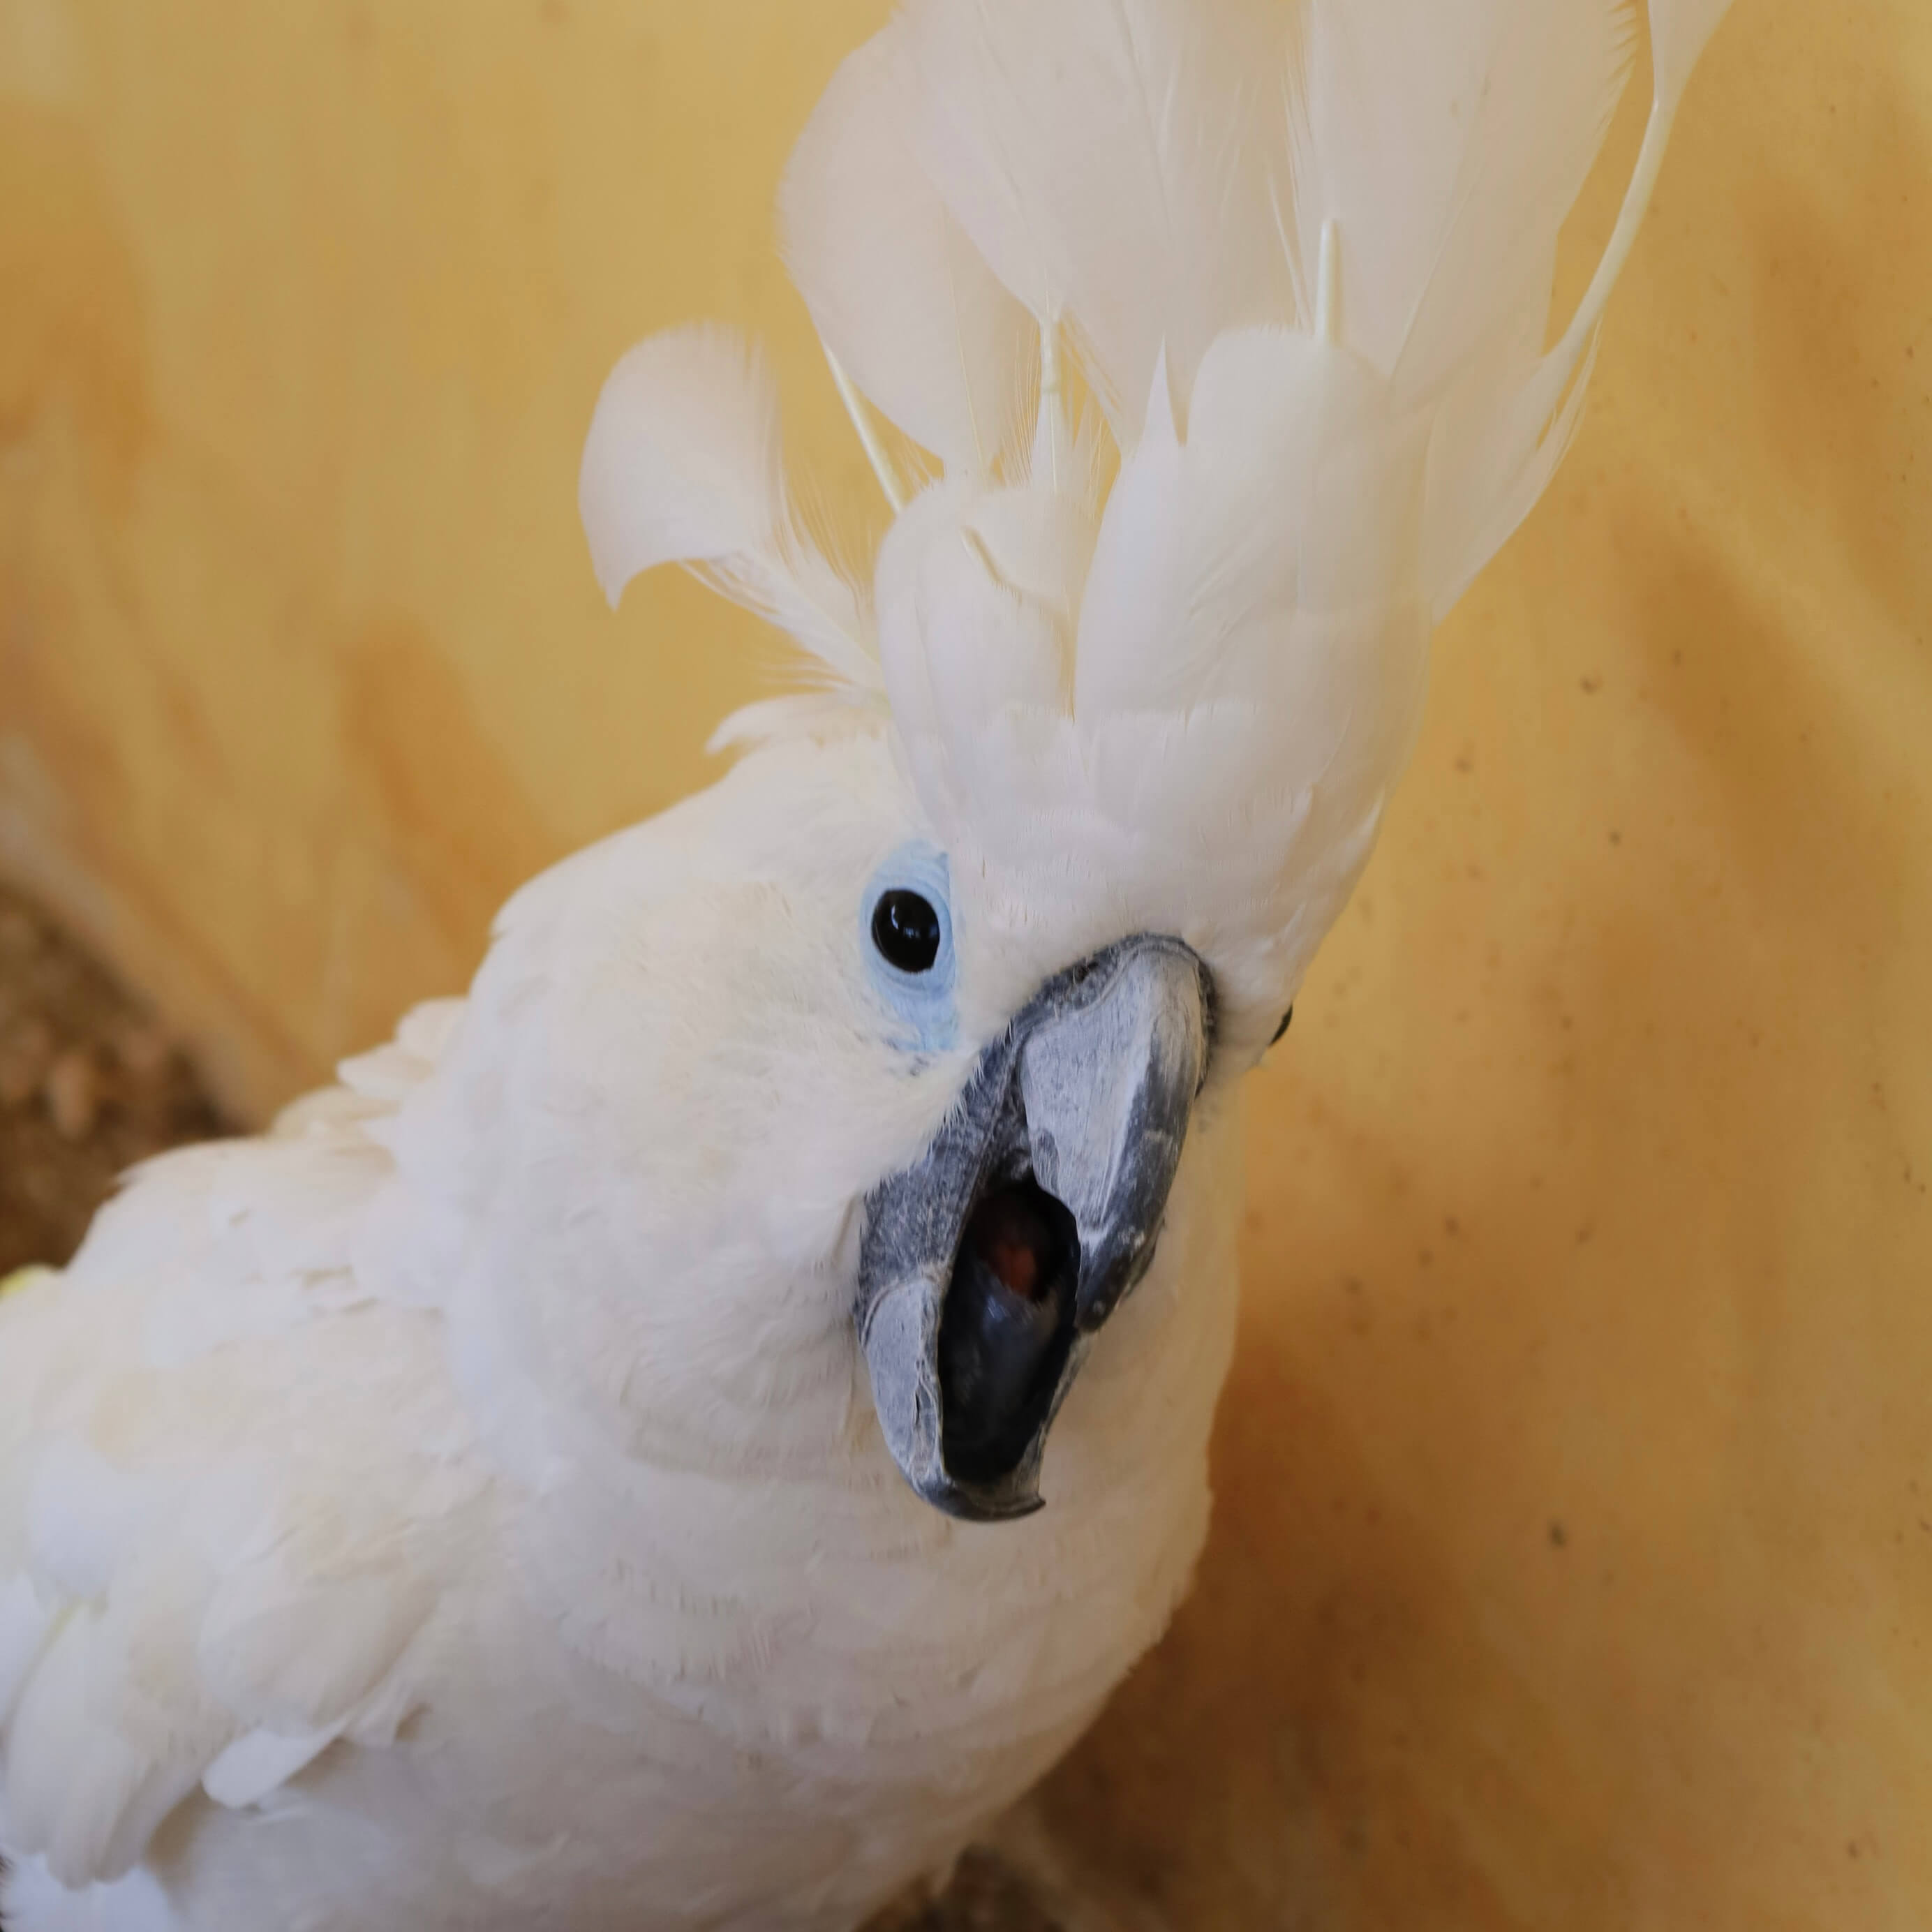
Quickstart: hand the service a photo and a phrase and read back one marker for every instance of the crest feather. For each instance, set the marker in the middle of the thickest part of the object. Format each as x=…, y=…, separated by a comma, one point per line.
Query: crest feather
x=1173, y=649
x=683, y=464
x=900, y=299
x=1110, y=158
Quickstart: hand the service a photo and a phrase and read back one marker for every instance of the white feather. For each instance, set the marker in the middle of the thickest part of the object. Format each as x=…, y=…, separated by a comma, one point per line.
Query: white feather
x=81, y=1513
x=1500, y=442
x=899, y=294
x=289, y=1642
x=1446, y=139
x=1497, y=446
x=26, y=1618
x=1679, y=30
x=87, y=1780
x=260, y=1762
x=1102, y=155
x=811, y=713
x=34, y=1900
x=683, y=465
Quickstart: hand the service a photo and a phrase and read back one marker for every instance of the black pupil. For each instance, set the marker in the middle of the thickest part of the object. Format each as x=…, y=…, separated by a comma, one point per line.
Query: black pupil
x=905, y=929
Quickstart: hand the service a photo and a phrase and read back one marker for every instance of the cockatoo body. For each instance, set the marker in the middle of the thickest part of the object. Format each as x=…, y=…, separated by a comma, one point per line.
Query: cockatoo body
x=683, y=1436
x=344, y=1594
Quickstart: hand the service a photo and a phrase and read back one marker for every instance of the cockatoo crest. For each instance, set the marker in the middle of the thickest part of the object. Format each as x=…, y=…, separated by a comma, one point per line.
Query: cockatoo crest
x=1154, y=653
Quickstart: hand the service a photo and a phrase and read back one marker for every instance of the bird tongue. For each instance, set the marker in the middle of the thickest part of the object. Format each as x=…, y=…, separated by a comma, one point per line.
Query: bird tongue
x=1011, y=1235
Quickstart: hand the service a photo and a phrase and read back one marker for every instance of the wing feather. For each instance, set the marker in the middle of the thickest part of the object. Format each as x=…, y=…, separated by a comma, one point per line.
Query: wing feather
x=205, y=1575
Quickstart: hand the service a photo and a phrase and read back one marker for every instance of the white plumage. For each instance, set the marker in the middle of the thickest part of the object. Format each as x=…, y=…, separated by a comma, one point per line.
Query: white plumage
x=683, y=464
x=464, y=1505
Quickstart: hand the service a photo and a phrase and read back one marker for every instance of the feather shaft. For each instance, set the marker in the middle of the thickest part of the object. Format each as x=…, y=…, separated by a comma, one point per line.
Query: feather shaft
x=868, y=434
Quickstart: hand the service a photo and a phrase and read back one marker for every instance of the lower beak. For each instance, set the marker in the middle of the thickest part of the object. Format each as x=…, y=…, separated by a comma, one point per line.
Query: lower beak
x=987, y=1267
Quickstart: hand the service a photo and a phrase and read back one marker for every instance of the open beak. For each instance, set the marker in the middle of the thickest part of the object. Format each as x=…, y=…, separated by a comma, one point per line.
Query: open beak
x=987, y=1266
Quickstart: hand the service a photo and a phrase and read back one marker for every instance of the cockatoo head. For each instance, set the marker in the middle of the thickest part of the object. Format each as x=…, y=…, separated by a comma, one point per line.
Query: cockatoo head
x=1198, y=346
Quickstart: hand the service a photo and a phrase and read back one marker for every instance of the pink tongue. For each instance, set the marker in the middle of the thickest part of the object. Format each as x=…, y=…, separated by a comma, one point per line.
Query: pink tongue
x=1017, y=1265
x=1009, y=1239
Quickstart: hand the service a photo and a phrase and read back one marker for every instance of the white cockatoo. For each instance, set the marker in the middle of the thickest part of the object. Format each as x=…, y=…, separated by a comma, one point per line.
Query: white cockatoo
x=682, y=1436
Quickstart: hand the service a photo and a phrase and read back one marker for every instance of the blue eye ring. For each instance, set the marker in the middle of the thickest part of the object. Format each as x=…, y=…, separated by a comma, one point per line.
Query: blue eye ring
x=905, y=922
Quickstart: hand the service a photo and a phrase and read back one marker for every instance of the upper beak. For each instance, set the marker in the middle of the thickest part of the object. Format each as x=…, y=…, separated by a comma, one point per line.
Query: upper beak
x=987, y=1267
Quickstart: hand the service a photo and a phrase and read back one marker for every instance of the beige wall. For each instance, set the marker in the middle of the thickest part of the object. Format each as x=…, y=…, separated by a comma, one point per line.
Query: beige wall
x=303, y=309
x=1574, y=1565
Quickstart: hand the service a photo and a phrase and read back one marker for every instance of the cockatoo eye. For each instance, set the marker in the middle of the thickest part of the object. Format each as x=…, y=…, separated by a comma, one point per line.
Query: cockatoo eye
x=907, y=931
x=1283, y=1027
x=905, y=925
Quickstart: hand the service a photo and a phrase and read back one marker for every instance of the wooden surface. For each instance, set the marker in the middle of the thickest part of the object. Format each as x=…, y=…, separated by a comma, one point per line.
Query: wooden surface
x=1573, y=1562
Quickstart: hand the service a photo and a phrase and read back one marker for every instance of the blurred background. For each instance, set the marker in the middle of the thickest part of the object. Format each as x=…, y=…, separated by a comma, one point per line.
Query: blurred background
x=1573, y=1565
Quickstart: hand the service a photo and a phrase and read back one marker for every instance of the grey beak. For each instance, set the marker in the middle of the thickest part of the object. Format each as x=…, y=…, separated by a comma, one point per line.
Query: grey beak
x=986, y=1267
